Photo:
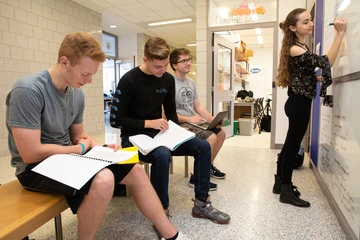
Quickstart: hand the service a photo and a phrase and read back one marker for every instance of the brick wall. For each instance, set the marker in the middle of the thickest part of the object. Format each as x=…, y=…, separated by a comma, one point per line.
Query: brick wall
x=30, y=35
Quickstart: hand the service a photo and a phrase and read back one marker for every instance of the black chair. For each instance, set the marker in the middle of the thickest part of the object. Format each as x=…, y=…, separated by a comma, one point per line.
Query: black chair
x=258, y=111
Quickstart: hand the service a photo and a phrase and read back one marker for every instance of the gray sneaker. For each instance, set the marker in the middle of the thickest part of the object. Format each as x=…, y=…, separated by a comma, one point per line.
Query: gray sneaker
x=206, y=210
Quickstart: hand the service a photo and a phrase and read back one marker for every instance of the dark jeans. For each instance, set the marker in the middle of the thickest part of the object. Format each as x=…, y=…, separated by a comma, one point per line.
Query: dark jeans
x=160, y=163
x=297, y=109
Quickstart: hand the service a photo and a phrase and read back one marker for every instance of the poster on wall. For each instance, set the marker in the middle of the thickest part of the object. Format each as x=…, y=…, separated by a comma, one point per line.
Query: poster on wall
x=339, y=137
x=109, y=44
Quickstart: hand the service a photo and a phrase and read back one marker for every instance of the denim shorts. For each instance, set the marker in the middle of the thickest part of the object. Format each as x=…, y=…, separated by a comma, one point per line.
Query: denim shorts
x=33, y=181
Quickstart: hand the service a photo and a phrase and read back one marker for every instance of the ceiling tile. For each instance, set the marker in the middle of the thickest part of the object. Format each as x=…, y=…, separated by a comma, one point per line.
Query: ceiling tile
x=189, y=28
x=119, y=3
x=132, y=19
x=189, y=11
x=171, y=13
x=180, y=3
x=156, y=5
x=135, y=8
x=148, y=17
x=117, y=11
x=101, y=3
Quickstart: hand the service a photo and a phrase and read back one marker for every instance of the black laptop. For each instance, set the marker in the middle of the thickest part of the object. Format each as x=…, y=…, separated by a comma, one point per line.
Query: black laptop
x=206, y=126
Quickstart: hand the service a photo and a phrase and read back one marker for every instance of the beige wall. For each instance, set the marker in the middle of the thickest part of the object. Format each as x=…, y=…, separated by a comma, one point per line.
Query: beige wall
x=30, y=35
x=203, y=82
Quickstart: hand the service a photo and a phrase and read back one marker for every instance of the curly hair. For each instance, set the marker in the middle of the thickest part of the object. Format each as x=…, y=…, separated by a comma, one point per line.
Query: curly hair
x=283, y=75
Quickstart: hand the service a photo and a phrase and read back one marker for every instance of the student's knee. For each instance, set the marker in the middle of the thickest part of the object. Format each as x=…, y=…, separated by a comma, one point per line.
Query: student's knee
x=137, y=171
x=203, y=145
x=162, y=157
x=103, y=180
x=221, y=136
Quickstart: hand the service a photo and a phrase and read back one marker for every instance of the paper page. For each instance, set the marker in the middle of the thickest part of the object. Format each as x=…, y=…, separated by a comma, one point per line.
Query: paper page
x=174, y=136
x=71, y=170
x=109, y=154
x=144, y=143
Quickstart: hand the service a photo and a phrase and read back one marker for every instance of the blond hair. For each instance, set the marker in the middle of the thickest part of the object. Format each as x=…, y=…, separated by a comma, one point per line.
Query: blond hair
x=78, y=44
x=156, y=48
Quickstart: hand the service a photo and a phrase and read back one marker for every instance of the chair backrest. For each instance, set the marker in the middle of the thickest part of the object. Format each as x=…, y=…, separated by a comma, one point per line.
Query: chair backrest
x=258, y=106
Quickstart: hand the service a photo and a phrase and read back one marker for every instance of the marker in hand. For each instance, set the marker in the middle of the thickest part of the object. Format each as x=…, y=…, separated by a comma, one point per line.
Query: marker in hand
x=330, y=24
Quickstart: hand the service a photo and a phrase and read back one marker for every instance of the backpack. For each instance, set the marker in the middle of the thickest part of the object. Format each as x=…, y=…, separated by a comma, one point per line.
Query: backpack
x=265, y=123
x=299, y=159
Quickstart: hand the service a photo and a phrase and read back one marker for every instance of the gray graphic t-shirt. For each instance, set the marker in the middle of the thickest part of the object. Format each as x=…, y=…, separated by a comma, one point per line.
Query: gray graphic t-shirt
x=35, y=103
x=185, y=94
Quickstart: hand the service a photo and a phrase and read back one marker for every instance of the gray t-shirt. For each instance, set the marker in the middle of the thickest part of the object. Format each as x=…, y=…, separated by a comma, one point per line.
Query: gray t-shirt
x=185, y=94
x=35, y=103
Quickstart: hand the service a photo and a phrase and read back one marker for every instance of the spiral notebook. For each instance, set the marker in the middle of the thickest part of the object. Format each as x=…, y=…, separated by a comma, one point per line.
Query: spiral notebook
x=75, y=170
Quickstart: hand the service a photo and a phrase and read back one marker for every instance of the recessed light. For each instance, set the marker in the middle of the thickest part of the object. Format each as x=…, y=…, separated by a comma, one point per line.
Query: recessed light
x=170, y=22
x=191, y=45
x=113, y=26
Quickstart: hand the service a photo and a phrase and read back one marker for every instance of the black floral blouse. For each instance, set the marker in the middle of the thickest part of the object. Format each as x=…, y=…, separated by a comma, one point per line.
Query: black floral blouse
x=302, y=75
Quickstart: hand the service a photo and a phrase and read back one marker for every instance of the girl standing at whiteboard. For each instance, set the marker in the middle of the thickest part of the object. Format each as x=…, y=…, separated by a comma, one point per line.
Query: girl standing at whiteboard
x=296, y=72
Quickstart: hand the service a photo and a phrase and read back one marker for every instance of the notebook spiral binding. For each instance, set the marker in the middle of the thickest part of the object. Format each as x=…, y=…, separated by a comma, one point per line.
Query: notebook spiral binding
x=97, y=159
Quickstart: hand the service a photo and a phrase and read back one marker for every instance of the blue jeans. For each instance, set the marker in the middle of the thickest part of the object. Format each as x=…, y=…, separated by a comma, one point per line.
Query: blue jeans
x=160, y=163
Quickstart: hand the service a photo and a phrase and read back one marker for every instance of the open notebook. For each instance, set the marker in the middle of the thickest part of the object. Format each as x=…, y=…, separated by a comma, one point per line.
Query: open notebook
x=206, y=126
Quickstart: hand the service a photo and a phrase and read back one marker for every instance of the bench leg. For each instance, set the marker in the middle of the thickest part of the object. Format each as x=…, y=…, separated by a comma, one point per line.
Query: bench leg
x=147, y=169
x=171, y=166
x=128, y=192
x=58, y=227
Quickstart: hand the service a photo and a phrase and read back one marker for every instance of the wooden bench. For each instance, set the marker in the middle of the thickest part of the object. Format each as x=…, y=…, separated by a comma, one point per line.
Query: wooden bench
x=23, y=211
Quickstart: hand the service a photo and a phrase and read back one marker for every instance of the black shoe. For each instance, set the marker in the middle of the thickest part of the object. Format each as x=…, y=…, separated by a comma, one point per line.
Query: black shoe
x=216, y=173
x=287, y=196
x=277, y=187
x=212, y=186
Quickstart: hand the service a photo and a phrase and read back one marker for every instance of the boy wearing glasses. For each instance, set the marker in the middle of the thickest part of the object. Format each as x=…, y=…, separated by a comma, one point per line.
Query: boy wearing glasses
x=137, y=109
x=190, y=110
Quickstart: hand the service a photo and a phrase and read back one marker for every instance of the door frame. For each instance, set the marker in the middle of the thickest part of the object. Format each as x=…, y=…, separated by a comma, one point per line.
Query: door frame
x=271, y=24
x=218, y=95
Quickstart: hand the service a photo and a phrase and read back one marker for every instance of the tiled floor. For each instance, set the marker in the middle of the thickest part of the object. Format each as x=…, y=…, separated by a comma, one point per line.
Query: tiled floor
x=246, y=194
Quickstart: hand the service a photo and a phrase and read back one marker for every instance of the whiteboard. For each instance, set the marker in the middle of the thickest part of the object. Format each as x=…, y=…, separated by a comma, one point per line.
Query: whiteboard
x=339, y=149
x=348, y=60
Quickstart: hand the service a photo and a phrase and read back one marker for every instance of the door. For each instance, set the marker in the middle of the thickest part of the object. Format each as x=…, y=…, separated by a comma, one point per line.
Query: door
x=223, y=96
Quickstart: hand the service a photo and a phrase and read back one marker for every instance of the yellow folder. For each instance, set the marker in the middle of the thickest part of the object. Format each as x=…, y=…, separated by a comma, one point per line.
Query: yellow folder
x=134, y=159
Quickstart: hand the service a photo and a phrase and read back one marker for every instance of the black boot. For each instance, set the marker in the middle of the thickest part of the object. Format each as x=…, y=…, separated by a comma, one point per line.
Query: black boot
x=287, y=196
x=277, y=187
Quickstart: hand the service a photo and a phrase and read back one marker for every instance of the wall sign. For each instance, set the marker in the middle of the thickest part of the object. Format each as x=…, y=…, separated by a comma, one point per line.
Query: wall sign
x=110, y=44
x=255, y=70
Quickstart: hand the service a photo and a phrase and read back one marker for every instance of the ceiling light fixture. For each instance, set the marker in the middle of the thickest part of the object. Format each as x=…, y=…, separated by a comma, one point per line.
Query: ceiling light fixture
x=223, y=33
x=170, y=22
x=191, y=45
x=257, y=31
x=344, y=5
x=223, y=12
x=113, y=26
x=260, y=39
